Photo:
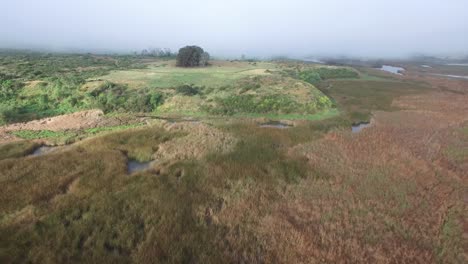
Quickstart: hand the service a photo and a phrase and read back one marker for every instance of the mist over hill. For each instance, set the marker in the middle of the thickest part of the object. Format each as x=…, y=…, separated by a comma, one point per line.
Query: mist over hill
x=263, y=28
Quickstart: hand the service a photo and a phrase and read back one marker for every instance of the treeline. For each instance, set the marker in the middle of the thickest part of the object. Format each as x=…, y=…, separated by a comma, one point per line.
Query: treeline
x=157, y=53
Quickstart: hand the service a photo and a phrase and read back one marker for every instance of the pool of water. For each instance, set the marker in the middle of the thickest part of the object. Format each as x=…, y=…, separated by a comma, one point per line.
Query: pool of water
x=275, y=124
x=356, y=128
x=457, y=64
x=313, y=60
x=451, y=76
x=134, y=166
x=42, y=150
x=174, y=120
x=392, y=69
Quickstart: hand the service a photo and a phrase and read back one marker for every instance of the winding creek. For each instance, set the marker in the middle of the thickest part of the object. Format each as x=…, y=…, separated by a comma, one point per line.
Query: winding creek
x=356, y=128
x=135, y=166
x=44, y=149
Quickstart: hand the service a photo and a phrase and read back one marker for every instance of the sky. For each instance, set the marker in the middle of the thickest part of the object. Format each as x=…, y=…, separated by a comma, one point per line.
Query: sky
x=369, y=28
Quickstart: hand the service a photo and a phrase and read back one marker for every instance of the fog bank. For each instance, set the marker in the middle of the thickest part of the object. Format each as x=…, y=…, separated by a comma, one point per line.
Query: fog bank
x=255, y=28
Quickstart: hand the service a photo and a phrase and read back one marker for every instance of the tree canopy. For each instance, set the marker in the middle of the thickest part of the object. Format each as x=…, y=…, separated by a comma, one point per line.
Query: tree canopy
x=192, y=56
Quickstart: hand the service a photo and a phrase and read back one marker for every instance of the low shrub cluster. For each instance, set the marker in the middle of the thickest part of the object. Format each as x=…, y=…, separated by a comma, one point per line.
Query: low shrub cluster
x=115, y=97
x=188, y=90
x=314, y=76
x=278, y=104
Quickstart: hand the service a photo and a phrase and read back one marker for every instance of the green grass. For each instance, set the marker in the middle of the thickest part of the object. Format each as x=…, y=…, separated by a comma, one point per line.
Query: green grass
x=49, y=84
x=170, y=76
x=457, y=153
x=311, y=117
x=225, y=90
x=97, y=130
x=42, y=134
x=120, y=84
x=451, y=238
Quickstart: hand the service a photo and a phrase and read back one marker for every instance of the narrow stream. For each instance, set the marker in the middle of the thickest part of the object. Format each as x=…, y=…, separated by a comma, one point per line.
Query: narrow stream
x=356, y=128
x=42, y=150
x=457, y=64
x=134, y=166
x=275, y=124
x=451, y=76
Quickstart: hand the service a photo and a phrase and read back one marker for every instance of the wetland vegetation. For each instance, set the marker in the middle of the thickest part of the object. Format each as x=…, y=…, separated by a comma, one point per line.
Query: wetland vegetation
x=223, y=183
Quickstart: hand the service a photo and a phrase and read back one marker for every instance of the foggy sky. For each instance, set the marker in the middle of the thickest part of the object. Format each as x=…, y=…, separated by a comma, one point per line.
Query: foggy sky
x=378, y=28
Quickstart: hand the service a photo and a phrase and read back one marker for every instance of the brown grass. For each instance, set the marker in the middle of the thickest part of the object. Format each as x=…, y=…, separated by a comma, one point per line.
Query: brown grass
x=314, y=193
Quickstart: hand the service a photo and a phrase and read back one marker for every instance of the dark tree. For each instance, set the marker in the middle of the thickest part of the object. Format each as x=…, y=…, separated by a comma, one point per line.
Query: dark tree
x=205, y=57
x=192, y=56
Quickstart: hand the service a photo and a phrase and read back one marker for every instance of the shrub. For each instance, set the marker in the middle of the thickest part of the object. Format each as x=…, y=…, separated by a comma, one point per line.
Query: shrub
x=188, y=90
x=310, y=76
x=336, y=73
x=249, y=104
x=314, y=76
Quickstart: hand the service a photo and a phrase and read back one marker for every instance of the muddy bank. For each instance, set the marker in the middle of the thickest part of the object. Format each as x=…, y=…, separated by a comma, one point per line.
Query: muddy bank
x=276, y=124
x=74, y=121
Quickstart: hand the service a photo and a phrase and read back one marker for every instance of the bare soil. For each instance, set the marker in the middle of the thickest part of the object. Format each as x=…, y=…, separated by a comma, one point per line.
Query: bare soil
x=74, y=121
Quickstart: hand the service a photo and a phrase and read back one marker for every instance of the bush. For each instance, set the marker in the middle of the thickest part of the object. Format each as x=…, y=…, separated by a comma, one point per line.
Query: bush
x=314, y=76
x=336, y=73
x=114, y=97
x=188, y=90
x=310, y=76
x=249, y=104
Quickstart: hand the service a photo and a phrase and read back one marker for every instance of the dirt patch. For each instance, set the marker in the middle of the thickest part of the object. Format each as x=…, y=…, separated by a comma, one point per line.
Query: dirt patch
x=78, y=120
x=74, y=121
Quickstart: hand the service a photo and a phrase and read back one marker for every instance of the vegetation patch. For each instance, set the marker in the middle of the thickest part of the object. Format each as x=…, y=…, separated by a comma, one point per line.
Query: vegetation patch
x=360, y=97
x=138, y=144
x=97, y=130
x=187, y=90
x=40, y=134
x=17, y=149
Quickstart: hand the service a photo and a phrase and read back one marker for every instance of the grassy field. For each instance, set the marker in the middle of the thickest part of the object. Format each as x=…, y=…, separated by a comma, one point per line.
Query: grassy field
x=166, y=75
x=359, y=98
x=221, y=188
x=224, y=88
